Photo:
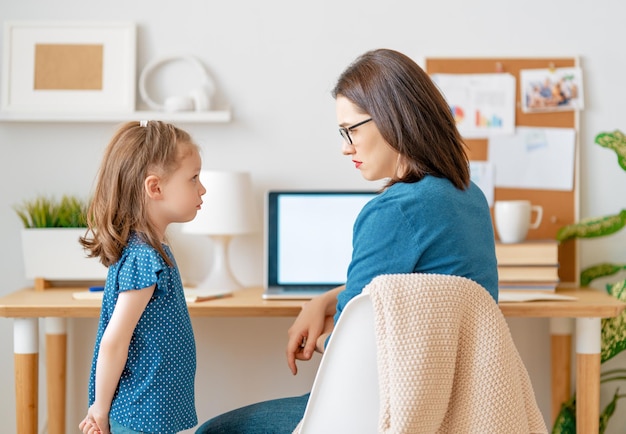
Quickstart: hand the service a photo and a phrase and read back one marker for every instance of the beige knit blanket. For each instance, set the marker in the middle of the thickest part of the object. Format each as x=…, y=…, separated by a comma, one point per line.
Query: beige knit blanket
x=446, y=359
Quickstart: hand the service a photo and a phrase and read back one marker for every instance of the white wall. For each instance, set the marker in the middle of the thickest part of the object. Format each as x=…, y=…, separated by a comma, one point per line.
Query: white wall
x=275, y=62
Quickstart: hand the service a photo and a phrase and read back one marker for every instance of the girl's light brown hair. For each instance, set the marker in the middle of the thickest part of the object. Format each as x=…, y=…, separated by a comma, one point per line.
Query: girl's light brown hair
x=410, y=112
x=118, y=206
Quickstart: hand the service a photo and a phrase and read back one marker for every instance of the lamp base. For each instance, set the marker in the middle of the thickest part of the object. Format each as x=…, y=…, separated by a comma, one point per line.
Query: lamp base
x=220, y=279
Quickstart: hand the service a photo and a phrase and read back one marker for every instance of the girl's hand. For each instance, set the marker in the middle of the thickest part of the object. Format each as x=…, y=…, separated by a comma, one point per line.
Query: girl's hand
x=95, y=422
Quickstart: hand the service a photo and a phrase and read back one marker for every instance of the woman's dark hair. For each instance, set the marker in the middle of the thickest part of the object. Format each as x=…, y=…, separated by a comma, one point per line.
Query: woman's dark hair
x=410, y=112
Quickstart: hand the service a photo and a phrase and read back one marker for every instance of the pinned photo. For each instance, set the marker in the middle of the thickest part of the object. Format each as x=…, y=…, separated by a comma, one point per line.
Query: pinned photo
x=552, y=89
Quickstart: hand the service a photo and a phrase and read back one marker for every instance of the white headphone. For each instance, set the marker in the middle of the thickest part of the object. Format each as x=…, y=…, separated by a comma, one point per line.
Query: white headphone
x=199, y=98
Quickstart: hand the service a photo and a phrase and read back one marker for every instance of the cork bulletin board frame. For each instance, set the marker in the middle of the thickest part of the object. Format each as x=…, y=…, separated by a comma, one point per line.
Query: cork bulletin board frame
x=559, y=207
x=66, y=67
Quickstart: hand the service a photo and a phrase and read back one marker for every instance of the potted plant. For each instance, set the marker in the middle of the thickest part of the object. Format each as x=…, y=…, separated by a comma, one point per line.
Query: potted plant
x=50, y=246
x=613, y=329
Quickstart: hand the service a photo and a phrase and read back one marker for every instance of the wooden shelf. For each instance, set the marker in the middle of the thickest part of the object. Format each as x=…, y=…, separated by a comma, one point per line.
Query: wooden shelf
x=213, y=116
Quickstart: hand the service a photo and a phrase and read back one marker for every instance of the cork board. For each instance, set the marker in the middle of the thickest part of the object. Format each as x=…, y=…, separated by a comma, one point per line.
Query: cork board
x=559, y=207
x=68, y=66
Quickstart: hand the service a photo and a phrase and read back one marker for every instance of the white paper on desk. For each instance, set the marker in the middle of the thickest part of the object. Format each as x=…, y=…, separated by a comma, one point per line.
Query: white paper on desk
x=534, y=158
x=521, y=296
x=191, y=295
x=481, y=172
x=88, y=295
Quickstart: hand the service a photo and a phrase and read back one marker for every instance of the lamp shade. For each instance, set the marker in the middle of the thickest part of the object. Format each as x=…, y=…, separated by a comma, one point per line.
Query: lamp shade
x=227, y=206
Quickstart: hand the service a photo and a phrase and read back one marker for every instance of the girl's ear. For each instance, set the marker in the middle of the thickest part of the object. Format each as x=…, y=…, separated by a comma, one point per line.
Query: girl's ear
x=153, y=187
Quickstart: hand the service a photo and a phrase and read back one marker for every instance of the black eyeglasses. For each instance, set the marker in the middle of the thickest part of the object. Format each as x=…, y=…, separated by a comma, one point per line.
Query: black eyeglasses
x=345, y=131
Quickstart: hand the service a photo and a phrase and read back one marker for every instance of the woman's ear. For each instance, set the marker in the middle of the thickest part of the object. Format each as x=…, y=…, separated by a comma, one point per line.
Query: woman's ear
x=153, y=187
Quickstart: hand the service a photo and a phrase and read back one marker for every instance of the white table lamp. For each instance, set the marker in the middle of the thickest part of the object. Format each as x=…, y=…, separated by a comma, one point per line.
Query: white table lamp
x=228, y=210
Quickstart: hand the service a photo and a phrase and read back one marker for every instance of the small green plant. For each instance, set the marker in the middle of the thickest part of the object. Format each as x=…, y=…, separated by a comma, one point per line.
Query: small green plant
x=613, y=329
x=44, y=212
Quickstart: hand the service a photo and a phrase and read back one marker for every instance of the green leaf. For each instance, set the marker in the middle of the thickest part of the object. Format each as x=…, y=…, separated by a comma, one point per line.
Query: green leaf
x=71, y=212
x=615, y=141
x=593, y=227
x=614, y=329
x=599, y=270
x=608, y=412
x=565, y=422
x=43, y=212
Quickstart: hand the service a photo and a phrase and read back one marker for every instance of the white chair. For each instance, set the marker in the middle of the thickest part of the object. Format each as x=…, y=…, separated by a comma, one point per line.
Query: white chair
x=344, y=397
x=421, y=353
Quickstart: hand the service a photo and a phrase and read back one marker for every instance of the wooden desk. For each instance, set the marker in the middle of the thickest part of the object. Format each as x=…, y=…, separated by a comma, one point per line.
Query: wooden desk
x=56, y=304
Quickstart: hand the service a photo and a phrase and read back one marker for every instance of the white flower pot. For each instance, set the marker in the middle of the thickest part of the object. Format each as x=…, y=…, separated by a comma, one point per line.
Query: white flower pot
x=56, y=254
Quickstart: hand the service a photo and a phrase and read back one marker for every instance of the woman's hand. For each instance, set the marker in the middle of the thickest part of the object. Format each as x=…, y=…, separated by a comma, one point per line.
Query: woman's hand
x=304, y=332
x=329, y=325
x=314, y=320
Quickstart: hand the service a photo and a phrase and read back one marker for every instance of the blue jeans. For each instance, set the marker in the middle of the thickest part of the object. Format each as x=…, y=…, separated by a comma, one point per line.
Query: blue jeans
x=278, y=416
x=116, y=428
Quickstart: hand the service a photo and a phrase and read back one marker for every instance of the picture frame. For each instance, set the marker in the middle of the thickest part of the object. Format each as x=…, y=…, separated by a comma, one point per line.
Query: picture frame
x=69, y=67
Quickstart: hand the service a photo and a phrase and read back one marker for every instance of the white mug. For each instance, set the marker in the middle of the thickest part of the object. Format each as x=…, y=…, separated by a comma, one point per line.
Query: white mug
x=513, y=219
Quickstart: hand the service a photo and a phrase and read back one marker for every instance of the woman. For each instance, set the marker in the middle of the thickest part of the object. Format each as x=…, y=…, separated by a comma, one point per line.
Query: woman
x=429, y=218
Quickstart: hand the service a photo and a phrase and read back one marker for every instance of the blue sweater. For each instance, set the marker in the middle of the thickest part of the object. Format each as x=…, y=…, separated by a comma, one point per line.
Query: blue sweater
x=428, y=226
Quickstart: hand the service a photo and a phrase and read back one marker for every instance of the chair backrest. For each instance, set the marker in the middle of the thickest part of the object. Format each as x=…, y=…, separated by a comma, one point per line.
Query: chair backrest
x=345, y=396
x=421, y=353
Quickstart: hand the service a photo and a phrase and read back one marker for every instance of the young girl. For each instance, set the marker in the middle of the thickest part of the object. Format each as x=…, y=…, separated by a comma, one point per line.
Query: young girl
x=144, y=362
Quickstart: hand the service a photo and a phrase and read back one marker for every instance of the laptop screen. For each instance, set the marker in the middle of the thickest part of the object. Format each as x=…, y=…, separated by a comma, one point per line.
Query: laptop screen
x=309, y=236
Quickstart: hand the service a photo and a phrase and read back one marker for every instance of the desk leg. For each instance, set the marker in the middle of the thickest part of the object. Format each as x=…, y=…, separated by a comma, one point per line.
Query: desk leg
x=56, y=373
x=26, y=356
x=588, y=336
x=561, y=330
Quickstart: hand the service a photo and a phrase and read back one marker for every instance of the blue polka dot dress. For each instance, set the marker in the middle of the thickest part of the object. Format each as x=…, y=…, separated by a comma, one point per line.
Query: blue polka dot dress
x=156, y=389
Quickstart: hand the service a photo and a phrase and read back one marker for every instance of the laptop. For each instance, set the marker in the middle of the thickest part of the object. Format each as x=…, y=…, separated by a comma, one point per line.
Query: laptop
x=308, y=240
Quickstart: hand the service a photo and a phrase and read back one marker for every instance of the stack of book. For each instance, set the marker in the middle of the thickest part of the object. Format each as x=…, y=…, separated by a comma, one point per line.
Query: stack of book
x=530, y=265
